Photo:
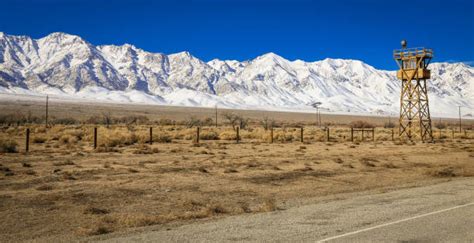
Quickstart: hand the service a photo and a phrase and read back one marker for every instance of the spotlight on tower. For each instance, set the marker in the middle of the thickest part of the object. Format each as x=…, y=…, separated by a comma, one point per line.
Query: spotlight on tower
x=404, y=44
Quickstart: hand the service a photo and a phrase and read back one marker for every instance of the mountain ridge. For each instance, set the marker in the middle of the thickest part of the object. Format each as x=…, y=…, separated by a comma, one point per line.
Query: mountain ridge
x=65, y=64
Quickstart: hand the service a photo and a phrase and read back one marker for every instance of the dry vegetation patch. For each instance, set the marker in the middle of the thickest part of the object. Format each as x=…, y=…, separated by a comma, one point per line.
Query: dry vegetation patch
x=63, y=185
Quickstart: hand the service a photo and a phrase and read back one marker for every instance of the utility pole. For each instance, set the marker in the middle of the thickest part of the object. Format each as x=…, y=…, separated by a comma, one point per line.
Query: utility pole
x=460, y=125
x=319, y=117
x=47, y=104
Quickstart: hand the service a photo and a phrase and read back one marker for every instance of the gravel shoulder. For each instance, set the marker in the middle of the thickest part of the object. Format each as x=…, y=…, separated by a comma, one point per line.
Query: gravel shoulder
x=339, y=216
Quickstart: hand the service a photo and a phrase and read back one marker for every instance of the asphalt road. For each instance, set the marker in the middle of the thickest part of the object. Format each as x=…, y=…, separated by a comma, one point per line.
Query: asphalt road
x=441, y=212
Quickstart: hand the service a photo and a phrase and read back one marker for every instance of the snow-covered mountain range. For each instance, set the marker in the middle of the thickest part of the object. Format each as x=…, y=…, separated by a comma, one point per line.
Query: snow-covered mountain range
x=67, y=66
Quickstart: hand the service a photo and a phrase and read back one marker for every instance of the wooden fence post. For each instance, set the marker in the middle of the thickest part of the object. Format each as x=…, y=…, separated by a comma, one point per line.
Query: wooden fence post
x=95, y=137
x=301, y=135
x=453, y=133
x=27, y=147
x=237, y=138
x=327, y=135
x=197, y=134
x=393, y=133
x=151, y=135
x=362, y=134
x=352, y=134
x=271, y=135
x=373, y=134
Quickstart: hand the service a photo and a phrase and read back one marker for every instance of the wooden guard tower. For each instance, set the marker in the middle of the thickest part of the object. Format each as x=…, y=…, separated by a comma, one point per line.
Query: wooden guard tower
x=415, y=120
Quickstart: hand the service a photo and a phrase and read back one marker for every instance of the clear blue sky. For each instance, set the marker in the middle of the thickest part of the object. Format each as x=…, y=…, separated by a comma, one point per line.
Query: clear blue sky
x=367, y=30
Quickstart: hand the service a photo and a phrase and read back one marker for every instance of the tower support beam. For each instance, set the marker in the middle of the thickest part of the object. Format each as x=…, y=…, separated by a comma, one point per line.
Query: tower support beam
x=415, y=120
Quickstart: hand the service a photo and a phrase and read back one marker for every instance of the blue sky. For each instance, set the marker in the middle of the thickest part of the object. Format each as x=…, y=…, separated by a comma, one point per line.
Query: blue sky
x=367, y=30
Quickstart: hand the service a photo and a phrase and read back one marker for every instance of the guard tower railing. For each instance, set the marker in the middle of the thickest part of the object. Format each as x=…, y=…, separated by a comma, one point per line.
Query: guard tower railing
x=412, y=52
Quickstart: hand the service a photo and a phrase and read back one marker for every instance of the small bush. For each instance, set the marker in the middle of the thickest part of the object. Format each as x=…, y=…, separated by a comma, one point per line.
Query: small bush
x=228, y=135
x=389, y=125
x=162, y=138
x=94, y=210
x=64, y=163
x=8, y=146
x=67, y=139
x=445, y=172
x=118, y=138
x=65, y=121
x=209, y=135
x=361, y=124
x=283, y=137
x=39, y=139
x=440, y=125
x=106, y=149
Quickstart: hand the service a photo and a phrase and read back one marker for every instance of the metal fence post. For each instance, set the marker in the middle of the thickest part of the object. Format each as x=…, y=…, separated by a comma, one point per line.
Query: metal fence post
x=27, y=147
x=301, y=135
x=151, y=135
x=197, y=134
x=95, y=137
x=352, y=134
x=237, y=138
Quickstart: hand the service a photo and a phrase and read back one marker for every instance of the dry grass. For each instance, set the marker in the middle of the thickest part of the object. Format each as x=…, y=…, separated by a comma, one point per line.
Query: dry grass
x=8, y=145
x=64, y=186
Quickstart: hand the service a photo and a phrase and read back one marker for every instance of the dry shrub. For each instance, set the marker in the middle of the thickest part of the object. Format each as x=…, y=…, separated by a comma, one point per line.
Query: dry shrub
x=106, y=149
x=268, y=205
x=389, y=125
x=361, y=124
x=444, y=172
x=162, y=138
x=228, y=135
x=440, y=125
x=40, y=130
x=39, y=139
x=30, y=172
x=78, y=134
x=67, y=139
x=94, y=210
x=145, y=149
x=368, y=162
x=118, y=138
x=8, y=146
x=209, y=135
x=132, y=170
x=230, y=170
x=100, y=230
x=283, y=137
x=217, y=209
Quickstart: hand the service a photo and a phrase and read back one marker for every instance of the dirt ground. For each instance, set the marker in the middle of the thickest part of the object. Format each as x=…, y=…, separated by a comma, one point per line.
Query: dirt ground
x=64, y=189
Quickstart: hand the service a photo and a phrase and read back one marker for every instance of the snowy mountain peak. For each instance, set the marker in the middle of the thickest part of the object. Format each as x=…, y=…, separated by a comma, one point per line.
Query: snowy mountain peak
x=70, y=66
x=62, y=37
x=271, y=56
